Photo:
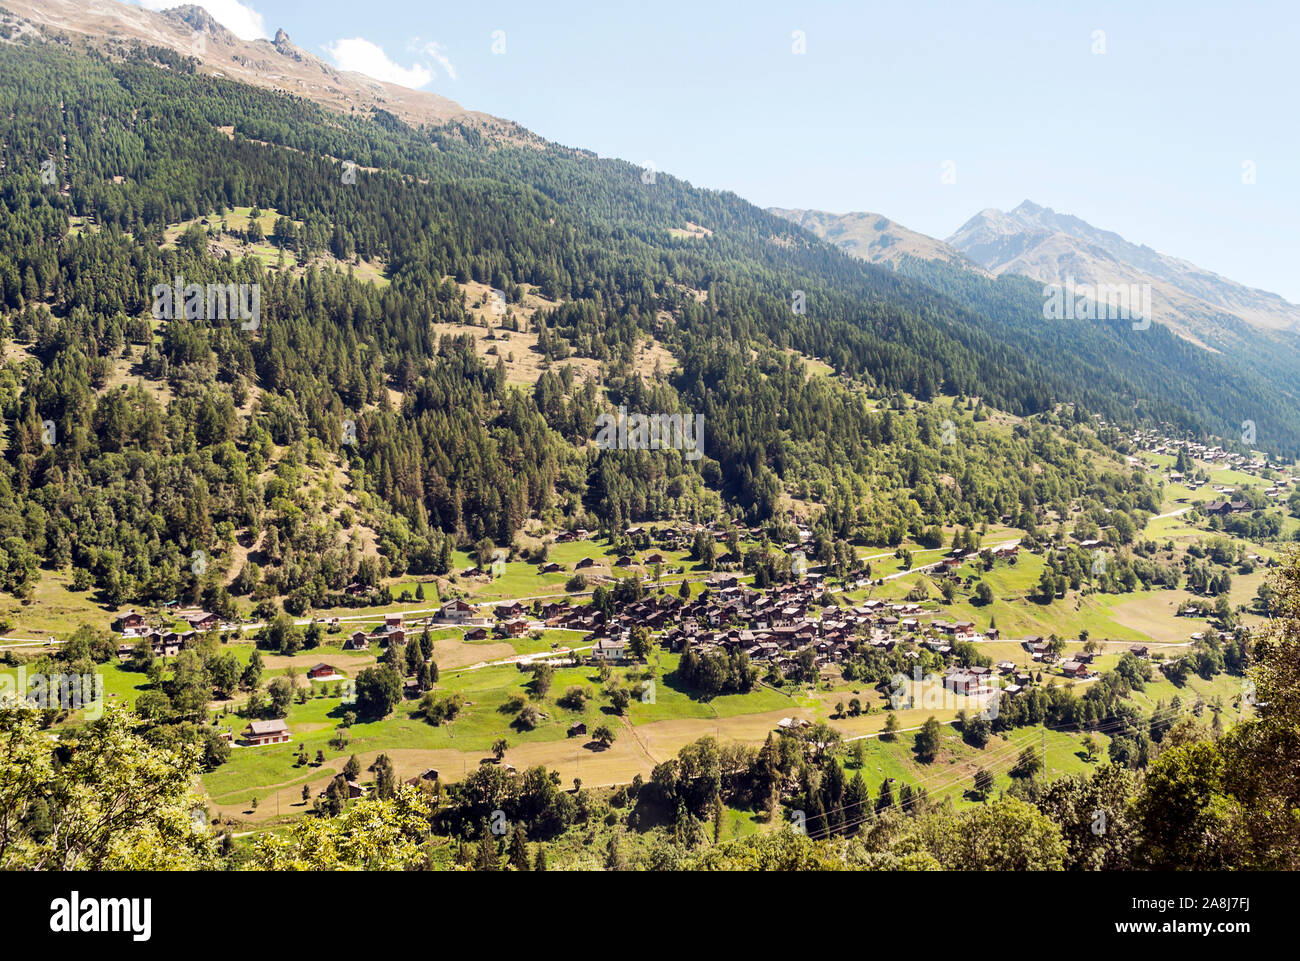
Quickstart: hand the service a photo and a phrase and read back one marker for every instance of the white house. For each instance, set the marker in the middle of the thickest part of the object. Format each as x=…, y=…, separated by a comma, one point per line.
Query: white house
x=609, y=650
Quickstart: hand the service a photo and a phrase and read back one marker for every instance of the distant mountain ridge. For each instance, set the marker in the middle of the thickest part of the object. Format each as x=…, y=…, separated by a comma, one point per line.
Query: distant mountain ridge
x=875, y=238
x=278, y=64
x=1036, y=242
x=1062, y=249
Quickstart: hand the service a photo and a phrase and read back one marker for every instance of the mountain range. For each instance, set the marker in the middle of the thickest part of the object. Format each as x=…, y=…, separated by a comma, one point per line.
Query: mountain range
x=1062, y=250
x=875, y=238
x=1030, y=240
x=956, y=317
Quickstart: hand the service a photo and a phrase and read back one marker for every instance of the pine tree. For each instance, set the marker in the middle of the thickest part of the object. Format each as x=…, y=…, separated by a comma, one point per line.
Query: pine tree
x=518, y=857
x=857, y=801
x=464, y=857
x=613, y=856
x=487, y=857
x=884, y=797
x=385, y=777
x=817, y=826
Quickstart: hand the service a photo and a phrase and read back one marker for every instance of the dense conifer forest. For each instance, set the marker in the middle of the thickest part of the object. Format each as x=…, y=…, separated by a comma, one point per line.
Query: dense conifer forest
x=128, y=483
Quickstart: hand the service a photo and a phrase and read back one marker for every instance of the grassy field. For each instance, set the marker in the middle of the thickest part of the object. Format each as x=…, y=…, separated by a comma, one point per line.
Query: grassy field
x=655, y=727
x=486, y=717
x=237, y=220
x=55, y=608
x=652, y=730
x=951, y=774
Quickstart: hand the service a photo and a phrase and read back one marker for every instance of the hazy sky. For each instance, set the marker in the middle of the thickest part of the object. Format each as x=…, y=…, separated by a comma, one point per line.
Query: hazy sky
x=1138, y=121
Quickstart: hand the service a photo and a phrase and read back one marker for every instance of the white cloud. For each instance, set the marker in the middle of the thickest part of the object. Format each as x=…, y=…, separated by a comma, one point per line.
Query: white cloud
x=363, y=56
x=239, y=18
x=369, y=58
x=434, y=51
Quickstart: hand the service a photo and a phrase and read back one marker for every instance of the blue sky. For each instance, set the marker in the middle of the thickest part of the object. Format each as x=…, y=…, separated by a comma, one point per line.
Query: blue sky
x=1147, y=138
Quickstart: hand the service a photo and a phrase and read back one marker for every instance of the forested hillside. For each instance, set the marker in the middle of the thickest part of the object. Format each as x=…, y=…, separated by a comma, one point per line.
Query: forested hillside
x=132, y=443
x=1262, y=383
